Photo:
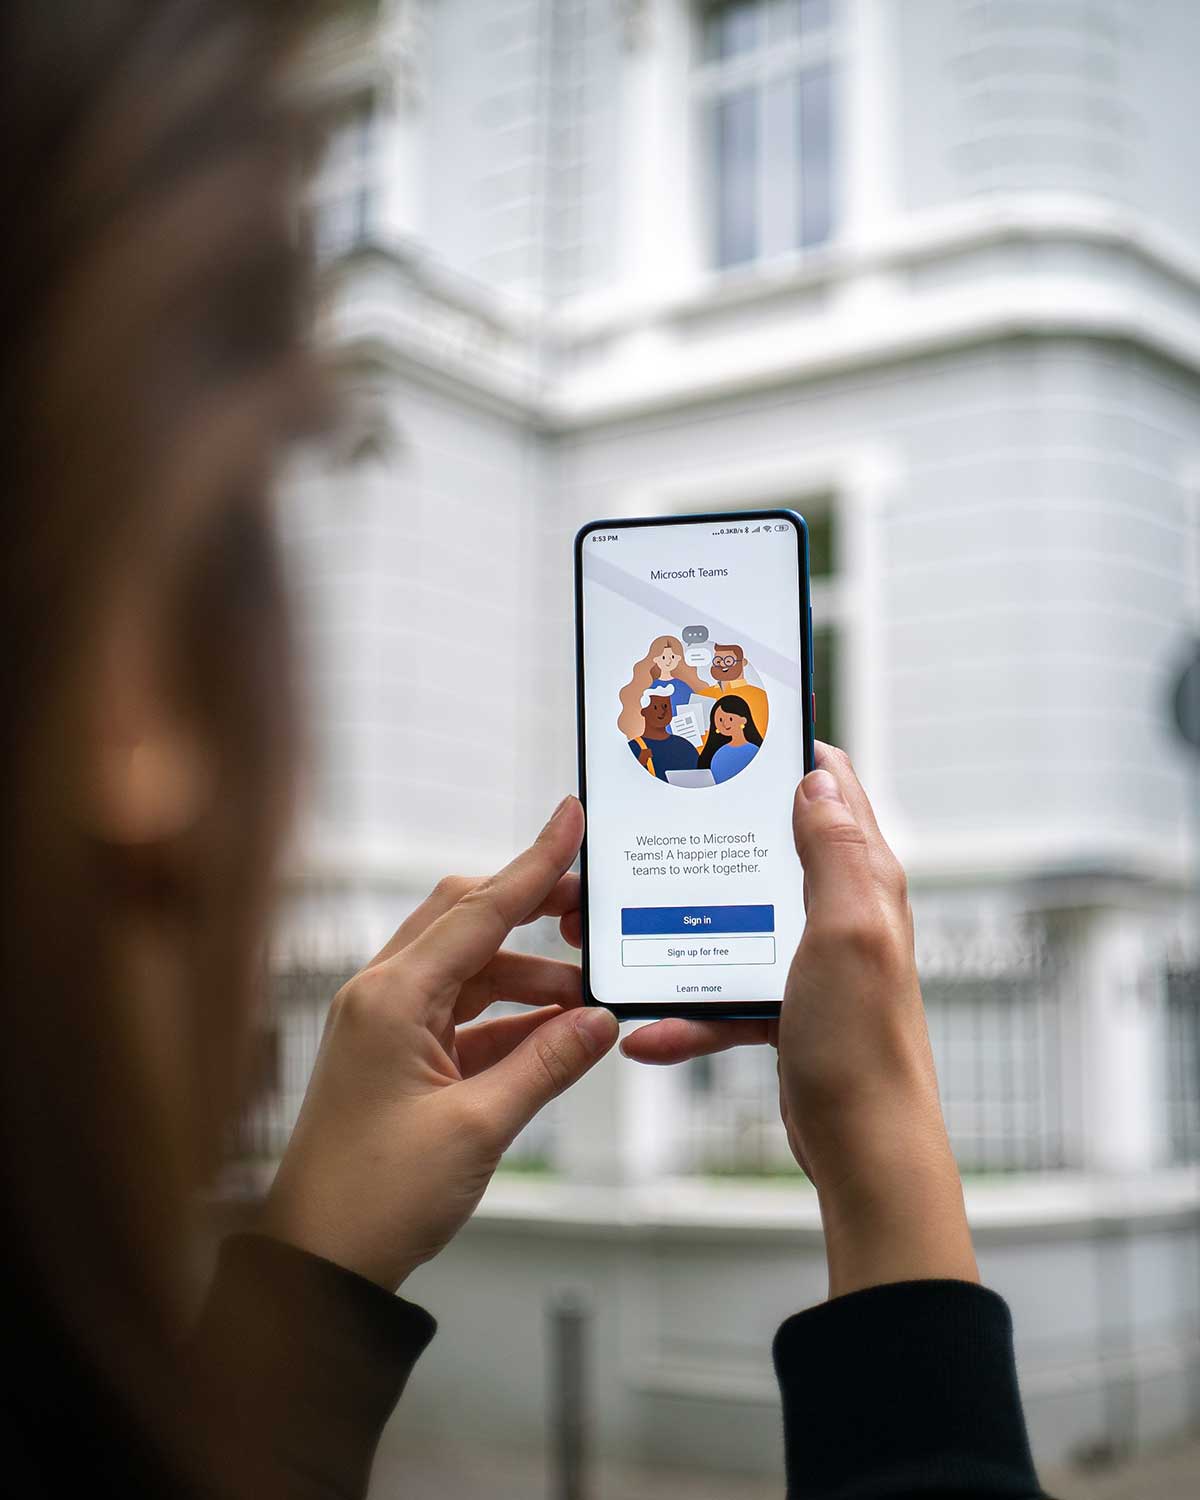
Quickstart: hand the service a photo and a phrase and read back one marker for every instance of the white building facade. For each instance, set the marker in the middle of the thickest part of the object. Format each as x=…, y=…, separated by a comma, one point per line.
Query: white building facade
x=928, y=271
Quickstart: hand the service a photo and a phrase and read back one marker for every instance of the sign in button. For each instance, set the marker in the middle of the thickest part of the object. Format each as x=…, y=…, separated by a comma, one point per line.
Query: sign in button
x=701, y=952
x=668, y=921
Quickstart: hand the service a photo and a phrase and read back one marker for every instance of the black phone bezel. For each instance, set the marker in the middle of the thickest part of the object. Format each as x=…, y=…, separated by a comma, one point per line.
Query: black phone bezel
x=704, y=1010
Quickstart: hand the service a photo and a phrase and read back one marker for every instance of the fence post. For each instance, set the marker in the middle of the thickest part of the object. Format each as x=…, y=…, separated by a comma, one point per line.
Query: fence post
x=621, y=1125
x=1119, y=1047
x=569, y=1322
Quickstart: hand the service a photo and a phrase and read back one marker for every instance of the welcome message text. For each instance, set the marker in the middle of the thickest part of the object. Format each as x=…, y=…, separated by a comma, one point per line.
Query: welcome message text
x=695, y=854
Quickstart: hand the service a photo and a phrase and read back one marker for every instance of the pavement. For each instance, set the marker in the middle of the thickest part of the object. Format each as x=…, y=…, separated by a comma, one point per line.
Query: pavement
x=1168, y=1474
x=1171, y=1473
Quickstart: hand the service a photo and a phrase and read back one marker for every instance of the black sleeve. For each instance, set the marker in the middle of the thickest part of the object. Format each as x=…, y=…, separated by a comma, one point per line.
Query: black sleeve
x=307, y=1360
x=904, y=1390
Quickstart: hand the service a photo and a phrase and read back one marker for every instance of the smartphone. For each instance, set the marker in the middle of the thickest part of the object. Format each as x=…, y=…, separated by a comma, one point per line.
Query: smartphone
x=693, y=641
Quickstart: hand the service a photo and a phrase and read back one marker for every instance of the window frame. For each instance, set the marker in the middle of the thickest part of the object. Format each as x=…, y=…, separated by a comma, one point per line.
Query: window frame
x=844, y=484
x=769, y=63
x=831, y=613
x=351, y=177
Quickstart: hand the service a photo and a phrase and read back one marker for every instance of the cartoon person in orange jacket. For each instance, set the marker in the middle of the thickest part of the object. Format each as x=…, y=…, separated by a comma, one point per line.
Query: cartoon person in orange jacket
x=729, y=668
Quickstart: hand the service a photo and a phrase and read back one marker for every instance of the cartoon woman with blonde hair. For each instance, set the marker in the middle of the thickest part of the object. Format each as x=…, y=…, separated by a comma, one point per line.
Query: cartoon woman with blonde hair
x=662, y=667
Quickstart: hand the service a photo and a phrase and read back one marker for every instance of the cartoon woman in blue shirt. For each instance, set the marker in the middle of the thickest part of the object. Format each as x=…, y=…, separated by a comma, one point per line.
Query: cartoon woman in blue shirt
x=733, y=739
x=664, y=669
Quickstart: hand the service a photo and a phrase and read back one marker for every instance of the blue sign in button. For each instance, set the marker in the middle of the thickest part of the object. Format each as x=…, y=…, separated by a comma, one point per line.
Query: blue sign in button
x=672, y=921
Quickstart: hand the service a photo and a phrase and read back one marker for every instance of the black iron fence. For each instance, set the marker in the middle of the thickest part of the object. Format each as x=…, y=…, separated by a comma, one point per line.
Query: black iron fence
x=994, y=1007
x=995, y=1002
x=1183, y=1062
x=298, y=1004
x=996, y=1017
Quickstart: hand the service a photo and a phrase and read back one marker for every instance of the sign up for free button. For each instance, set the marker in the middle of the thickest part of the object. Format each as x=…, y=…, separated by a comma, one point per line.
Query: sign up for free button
x=701, y=951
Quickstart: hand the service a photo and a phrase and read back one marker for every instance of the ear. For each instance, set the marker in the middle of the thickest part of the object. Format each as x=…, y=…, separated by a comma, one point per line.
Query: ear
x=146, y=779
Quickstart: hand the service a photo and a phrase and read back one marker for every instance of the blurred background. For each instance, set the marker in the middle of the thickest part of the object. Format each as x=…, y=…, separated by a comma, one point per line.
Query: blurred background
x=928, y=271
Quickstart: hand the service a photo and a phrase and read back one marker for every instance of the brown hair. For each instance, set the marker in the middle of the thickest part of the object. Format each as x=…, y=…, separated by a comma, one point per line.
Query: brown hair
x=152, y=290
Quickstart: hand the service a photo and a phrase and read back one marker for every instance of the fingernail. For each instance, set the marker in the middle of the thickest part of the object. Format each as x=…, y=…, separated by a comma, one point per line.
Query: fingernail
x=559, y=810
x=598, y=1027
x=820, y=786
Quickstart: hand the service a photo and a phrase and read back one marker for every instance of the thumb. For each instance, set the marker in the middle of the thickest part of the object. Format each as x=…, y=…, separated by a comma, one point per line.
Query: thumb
x=545, y=1065
x=831, y=843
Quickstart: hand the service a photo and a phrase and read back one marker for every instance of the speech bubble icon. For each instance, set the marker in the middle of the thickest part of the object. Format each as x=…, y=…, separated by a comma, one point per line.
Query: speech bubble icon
x=692, y=634
x=698, y=656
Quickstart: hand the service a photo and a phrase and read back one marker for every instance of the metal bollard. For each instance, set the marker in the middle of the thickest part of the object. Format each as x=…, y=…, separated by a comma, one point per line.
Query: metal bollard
x=568, y=1320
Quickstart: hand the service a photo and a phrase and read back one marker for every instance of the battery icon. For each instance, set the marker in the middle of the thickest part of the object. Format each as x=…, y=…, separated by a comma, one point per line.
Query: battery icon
x=782, y=526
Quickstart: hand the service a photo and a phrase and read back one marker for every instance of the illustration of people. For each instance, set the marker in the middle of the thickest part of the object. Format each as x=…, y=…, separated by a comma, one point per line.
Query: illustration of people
x=733, y=738
x=664, y=668
x=669, y=712
x=656, y=748
x=728, y=666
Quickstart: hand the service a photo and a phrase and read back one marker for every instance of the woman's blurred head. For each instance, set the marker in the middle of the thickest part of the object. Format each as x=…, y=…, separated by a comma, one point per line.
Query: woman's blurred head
x=151, y=370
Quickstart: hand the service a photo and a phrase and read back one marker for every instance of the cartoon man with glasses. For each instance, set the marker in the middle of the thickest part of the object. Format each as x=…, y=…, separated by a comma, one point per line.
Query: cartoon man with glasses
x=728, y=666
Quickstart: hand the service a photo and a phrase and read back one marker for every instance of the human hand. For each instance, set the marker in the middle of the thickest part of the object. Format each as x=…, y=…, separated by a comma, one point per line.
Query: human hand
x=409, y=1109
x=644, y=757
x=858, y=1091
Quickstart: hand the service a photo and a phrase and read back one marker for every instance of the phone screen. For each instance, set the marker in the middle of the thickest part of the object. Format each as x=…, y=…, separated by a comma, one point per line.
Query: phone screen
x=695, y=727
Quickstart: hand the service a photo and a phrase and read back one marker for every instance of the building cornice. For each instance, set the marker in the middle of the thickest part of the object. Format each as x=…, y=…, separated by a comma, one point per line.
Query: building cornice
x=1042, y=1206
x=382, y=50
x=914, y=240
x=918, y=328
x=618, y=358
x=394, y=308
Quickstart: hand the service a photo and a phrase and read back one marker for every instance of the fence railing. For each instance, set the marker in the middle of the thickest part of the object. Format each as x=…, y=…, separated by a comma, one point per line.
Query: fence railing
x=996, y=1020
x=298, y=1004
x=994, y=1008
x=1183, y=1062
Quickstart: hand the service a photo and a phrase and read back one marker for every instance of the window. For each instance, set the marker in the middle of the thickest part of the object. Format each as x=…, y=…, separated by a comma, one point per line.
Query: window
x=828, y=608
x=344, y=196
x=764, y=83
